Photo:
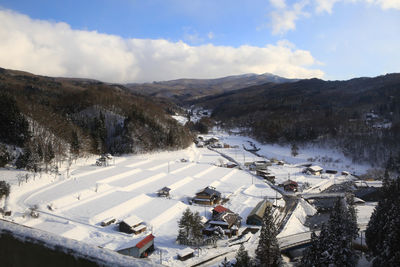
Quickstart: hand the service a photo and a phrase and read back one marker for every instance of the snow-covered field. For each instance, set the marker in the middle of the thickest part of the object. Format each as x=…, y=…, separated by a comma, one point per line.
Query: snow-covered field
x=90, y=194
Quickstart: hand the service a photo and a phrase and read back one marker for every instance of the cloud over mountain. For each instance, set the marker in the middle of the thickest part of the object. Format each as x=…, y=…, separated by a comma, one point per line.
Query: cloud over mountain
x=55, y=49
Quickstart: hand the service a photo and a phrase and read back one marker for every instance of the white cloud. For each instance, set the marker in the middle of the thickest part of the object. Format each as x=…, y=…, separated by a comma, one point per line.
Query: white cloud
x=284, y=19
x=210, y=35
x=325, y=5
x=55, y=49
x=278, y=3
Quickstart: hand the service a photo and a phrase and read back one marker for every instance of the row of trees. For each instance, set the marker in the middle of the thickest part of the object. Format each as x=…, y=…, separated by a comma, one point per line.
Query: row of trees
x=334, y=244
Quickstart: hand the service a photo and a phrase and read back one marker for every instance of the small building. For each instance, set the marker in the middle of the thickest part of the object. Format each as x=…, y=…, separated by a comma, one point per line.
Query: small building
x=255, y=217
x=345, y=173
x=185, y=254
x=141, y=249
x=207, y=196
x=314, y=170
x=290, y=185
x=164, y=192
x=132, y=225
x=107, y=222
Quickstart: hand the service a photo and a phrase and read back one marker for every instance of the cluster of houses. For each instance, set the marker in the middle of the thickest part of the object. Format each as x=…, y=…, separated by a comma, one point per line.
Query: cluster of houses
x=212, y=142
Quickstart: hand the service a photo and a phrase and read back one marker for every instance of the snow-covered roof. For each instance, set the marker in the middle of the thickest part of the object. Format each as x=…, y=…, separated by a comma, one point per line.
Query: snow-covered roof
x=184, y=252
x=133, y=220
x=315, y=168
x=219, y=223
x=140, y=227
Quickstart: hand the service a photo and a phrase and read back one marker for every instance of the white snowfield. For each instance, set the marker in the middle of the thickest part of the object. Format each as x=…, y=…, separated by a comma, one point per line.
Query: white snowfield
x=91, y=194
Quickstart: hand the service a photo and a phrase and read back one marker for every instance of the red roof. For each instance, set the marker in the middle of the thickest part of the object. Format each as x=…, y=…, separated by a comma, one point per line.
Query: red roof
x=145, y=240
x=220, y=209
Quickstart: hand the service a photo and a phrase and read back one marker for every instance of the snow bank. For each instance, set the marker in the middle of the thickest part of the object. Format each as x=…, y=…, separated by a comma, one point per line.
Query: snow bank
x=296, y=221
x=102, y=257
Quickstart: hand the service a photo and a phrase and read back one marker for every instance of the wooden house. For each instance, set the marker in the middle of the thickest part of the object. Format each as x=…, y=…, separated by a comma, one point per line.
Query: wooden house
x=314, y=170
x=132, y=225
x=218, y=210
x=226, y=223
x=290, y=185
x=256, y=215
x=164, y=192
x=141, y=249
x=207, y=196
x=185, y=254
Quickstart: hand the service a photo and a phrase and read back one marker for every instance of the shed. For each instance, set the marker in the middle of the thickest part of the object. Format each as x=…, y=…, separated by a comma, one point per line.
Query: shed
x=164, y=192
x=331, y=171
x=256, y=215
x=131, y=225
x=141, y=249
x=185, y=254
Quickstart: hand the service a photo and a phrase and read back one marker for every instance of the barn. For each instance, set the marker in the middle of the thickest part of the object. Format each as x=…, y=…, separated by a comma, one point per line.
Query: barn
x=256, y=215
x=141, y=249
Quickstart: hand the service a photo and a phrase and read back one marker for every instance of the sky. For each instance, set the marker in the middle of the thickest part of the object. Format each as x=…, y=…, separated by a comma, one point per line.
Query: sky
x=143, y=41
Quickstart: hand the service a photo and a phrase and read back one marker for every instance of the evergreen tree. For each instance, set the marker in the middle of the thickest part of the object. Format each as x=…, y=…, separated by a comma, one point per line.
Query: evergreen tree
x=267, y=252
x=75, y=146
x=294, y=150
x=197, y=228
x=341, y=236
x=185, y=227
x=14, y=128
x=383, y=231
x=242, y=257
x=312, y=256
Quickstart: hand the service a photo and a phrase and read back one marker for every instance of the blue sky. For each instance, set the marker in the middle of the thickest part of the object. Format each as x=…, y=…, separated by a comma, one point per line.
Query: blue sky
x=137, y=41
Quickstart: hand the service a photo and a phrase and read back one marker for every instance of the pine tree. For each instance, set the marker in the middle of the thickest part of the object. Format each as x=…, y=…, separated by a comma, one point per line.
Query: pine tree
x=242, y=257
x=75, y=146
x=267, y=252
x=185, y=227
x=312, y=256
x=383, y=231
x=197, y=228
x=294, y=150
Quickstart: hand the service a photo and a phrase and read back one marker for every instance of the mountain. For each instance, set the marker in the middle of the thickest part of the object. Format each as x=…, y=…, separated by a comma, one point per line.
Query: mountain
x=360, y=116
x=183, y=90
x=53, y=117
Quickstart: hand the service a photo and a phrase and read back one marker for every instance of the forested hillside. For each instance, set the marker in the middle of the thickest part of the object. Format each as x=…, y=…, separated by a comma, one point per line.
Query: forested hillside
x=52, y=118
x=360, y=116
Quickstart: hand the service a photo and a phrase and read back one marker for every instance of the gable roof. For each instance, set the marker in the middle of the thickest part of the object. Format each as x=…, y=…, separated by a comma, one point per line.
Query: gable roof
x=145, y=240
x=209, y=191
x=166, y=189
x=259, y=209
x=132, y=220
x=220, y=209
x=315, y=168
x=290, y=182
